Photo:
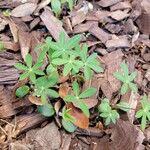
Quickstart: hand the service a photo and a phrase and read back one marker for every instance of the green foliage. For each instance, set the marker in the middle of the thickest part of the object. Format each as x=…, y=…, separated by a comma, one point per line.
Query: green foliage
x=29, y=70
x=66, y=58
x=90, y=62
x=127, y=79
x=56, y=5
x=43, y=88
x=109, y=114
x=46, y=110
x=2, y=46
x=78, y=97
x=67, y=120
x=22, y=91
x=144, y=112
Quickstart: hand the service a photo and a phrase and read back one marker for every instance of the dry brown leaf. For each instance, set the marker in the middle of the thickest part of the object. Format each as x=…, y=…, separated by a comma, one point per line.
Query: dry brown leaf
x=25, y=42
x=57, y=106
x=80, y=119
x=125, y=136
x=35, y=100
x=14, y=31
x=64, y=90
x=25, y=9
x=11, y=46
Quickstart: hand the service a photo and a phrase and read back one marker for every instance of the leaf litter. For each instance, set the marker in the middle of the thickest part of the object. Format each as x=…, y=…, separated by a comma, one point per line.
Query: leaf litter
x=118, y=31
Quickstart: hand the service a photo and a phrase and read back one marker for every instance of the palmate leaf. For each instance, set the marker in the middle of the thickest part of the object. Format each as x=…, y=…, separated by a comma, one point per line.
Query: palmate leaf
x=87, y=93
x=76, y=89
x=143, y=122
x=132, y=76
x=123, y=106
x=28, y=60
x=22, y=91
x=125, y=69
x=20, y=66
x=133, y=87
x=56, y=7
x=87, y=72
x=119, y=76
x=23, y=76
x=68, y=126
x=52, y=93
x=67, y=69
x=139, y=113
x=84, y=108
x=46, y=110
x=69, y=98
x=124, y=88
x=73, y=42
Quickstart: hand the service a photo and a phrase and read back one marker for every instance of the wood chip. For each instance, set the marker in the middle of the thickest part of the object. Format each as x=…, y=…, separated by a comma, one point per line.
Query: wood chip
x=52, y=23
x=119, y=15
x=25, y=43
x=119, y=42
x=24, y=10
x=99, y=33
x=107, y=3
x=81, y=28
x=121, y=6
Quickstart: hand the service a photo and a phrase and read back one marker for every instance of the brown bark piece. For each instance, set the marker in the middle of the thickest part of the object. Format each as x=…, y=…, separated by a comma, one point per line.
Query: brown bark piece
x=107, y=3
x=99, y=33
x=25, y=9
x=52, y=23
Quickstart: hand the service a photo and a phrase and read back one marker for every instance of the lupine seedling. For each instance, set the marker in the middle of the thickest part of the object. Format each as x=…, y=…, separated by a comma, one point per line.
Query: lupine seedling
x=144, y=112
x=67, y=121
x=29, y=70
x=43, y=88
x=78, y=97
x=111, y=115
x=126, y=78
x=90, y=63
x=56, y=5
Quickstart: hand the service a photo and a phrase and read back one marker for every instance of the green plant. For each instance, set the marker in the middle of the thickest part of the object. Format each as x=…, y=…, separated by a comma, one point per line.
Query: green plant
x=78, y=97
x=65, y=58
x=144, y=112
x=56, y=5
x=43, y=88
x=109, y=114
x=29, y=70
x=67, y=121
x=126, y=78
x=90, y=63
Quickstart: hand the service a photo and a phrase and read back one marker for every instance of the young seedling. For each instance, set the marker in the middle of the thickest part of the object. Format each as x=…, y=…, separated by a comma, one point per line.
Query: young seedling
x=64, y=46
x=67, y=121
x=109, y=114
x=90, y=62
x=7, y=13
x=126, y=78
x=70, y=64
x=78, y=97
x=144, y=112
x=29, y=70
x=43, y=88
x=56, y=5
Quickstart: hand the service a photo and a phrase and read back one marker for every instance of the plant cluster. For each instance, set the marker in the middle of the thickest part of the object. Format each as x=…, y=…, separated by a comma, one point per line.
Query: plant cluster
x=66, y=58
